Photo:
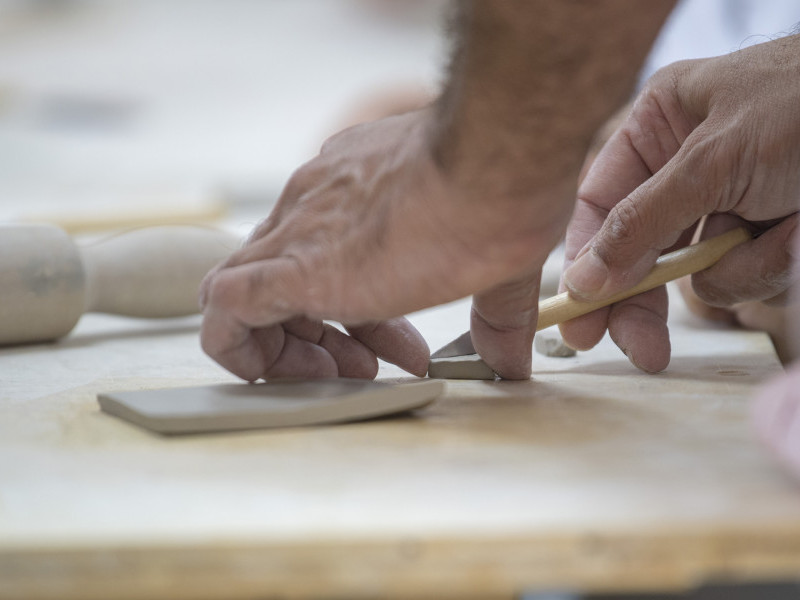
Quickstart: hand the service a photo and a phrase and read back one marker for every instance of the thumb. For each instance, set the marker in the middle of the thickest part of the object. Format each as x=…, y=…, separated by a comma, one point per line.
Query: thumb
x=503, y=323
x=648, y=221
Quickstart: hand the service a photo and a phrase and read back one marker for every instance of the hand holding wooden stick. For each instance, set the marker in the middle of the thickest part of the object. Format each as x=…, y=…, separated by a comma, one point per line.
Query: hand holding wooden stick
x=674, y=265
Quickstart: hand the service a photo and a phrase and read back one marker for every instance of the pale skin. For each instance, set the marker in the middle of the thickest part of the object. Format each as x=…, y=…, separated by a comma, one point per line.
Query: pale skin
x=714, y=138
x=465, y=197
x=469, y=195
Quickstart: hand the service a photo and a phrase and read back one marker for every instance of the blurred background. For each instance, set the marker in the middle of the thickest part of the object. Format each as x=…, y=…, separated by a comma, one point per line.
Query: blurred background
x=187, y=110
x=190, y=108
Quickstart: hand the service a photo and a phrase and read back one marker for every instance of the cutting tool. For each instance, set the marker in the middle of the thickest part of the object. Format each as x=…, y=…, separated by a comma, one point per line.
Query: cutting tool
x=458, y=359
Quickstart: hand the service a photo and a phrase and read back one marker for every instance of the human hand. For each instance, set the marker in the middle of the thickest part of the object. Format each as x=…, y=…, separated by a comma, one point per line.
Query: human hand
x=710, y=137
x=370, y=229
x=776, y=411
x=776, y=415
x=755, y=315
x=465, y=197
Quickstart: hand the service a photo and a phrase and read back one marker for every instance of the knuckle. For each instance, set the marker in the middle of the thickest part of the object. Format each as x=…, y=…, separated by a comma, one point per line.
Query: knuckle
x=705, y=170
x=299, y=287
x=330, y=143
x=219, y=291
x=204, y=287
x=718, y=161
x=663, y=79
x=239, y=294
x=216, y=341
x=625, y=225
x=667, y=80
x=303, y=179
x=340, y=138
x=333, y=141
x=261, y=230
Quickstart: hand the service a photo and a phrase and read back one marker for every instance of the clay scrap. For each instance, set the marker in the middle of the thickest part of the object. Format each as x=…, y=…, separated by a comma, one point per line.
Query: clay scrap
x=549, y=342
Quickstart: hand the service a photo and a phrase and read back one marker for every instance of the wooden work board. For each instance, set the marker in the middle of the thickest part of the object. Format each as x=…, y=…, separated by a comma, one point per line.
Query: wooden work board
x=591, y=476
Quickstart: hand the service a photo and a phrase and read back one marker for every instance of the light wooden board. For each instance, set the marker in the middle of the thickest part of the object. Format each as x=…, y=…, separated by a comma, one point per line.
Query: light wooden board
x=591, y=476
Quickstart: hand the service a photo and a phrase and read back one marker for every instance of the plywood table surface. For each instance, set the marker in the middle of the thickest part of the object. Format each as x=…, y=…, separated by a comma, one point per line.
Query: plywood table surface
x=590, y=476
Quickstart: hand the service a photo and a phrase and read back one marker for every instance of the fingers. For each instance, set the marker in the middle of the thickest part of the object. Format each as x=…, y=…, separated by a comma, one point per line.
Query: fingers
x=776, y=416
x=243, y=308
x=623, y=164
x=259, y=245
x=233, y=345
x=756, y=270
x=247, y=267
x=645, y=222
x=352, y=358
x=242, y=303
x=298, y=348
x=653, y=201
x=700, y=308
x=395, y=341
x=503, y=323
x=586, y=331
x=297, y=358
x=638, y=327
x=267, y=352
x=257, y=294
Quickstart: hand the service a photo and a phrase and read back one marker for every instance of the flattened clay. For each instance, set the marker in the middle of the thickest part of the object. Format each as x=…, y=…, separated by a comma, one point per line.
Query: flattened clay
x=234, y=406
x=550, y=343
x=469, y=366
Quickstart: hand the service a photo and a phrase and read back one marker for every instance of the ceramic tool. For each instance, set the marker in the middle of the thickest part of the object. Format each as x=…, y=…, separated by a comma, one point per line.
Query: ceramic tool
x=234, y=406
x=47, y=281
x=458, y=360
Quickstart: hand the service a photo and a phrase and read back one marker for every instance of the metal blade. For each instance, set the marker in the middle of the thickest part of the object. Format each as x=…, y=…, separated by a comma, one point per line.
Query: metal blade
x=461, y=346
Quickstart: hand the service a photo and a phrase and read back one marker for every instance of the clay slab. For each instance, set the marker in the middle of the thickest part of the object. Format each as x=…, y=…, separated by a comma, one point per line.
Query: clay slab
x=228, y=407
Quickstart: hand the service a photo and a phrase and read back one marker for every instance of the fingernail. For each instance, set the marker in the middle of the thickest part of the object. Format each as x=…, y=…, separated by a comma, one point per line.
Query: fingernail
x=586, y=275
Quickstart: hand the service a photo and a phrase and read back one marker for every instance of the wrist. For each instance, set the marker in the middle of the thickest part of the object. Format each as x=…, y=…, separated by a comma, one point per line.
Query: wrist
x=530, y=83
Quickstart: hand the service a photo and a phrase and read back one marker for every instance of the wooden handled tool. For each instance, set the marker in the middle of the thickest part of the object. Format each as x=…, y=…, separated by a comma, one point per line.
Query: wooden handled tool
x=685, y=261
x=47, y=281
x=458, y=360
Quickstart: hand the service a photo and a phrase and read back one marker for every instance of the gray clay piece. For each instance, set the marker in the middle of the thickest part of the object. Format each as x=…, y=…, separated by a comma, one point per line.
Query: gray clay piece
x=234, y=406
x=550, y=343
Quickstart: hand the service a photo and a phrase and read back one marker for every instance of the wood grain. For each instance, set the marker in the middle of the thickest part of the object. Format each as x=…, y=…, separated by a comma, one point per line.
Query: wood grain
x=590, y=476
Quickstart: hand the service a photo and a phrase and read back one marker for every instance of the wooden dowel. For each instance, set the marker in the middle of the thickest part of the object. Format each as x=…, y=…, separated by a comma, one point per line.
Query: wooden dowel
x=685, y=261
x=203, y=214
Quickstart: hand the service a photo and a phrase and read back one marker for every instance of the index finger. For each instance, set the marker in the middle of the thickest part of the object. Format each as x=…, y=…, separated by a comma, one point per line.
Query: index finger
x=629, y=159
x=618, y=170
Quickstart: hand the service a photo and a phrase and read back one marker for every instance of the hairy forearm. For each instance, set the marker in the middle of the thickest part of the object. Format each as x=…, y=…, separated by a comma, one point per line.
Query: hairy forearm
x=531, y=81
